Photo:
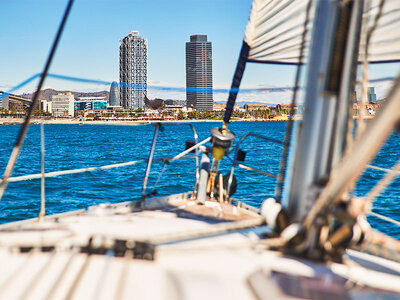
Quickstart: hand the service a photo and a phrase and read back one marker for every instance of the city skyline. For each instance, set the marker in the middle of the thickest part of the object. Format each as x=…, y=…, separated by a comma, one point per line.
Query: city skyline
x=88, y=46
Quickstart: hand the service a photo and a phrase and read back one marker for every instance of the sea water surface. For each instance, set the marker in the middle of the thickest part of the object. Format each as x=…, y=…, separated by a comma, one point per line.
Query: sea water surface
x=78, y=146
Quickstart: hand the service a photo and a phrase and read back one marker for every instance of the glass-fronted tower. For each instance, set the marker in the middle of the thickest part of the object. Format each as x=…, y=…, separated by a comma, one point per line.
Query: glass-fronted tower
x=371, y=95
x=199, y=73
x=113, y=99
x=133, y=70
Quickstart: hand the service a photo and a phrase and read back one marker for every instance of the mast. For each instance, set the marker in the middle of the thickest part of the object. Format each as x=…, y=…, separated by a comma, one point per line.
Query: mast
x=330, y=80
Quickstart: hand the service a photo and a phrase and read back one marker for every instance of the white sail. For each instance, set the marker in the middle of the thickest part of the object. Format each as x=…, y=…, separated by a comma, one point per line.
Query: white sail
x=275, y=27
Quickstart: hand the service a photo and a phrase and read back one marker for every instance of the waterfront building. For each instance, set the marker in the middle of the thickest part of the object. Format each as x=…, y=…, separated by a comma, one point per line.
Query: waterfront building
x=199, y=85
x=46, y=106
x=371, y=95
x=133, y=70
x=221, y=107
x=62, y=104
x=14, y=102
x=90, y=103
x=287, y=106
x=113, y=99
x=251, y=107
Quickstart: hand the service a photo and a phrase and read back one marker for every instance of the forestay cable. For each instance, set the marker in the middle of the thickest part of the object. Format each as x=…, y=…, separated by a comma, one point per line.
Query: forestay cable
x=22, y=133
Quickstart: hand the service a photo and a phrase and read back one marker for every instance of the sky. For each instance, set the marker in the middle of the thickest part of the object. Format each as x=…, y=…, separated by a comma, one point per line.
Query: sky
x=89, y=45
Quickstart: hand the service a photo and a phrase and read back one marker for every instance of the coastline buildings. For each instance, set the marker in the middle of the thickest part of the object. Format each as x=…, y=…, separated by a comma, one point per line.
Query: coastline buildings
x=46, y=106
x=251, y=107
x=133, y=70
x=14, y=102
x=90, y=103
x=199, y=73
x=221, y=107
x=62, y=104
x=113, y=99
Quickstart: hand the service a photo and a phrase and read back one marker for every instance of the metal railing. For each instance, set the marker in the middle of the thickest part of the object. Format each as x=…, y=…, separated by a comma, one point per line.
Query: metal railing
x=166, y=160
x=158, y=127
x=235, y=161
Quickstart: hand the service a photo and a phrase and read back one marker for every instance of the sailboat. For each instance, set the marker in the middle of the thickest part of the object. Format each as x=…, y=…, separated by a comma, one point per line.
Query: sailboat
x=311, y=241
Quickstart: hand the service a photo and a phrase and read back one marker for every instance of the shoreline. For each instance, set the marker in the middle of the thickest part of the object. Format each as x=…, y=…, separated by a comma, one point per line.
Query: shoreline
x=19, y=121
x=76, y=121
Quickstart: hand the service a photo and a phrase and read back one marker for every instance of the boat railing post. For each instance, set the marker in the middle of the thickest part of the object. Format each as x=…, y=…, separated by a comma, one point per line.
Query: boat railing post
x=149, y=161
x=197, y=152
x=42, y=180
x=203, y=180
x=234, y=163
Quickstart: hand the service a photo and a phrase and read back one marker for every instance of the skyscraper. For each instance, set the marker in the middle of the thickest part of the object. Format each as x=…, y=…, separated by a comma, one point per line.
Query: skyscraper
x=371, y=95
x=199, y=73
x=133, y=70
x=113, y=99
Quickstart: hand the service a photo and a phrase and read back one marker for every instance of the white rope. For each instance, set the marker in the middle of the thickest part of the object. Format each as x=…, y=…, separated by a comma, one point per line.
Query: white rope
x=74, y=171
x=383, y=169
x=384, y=218
x=105, y=167
x=383, y=183
x=190, y=149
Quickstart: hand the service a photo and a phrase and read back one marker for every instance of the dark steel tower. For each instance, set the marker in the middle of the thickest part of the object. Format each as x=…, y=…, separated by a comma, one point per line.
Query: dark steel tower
x=199, y=73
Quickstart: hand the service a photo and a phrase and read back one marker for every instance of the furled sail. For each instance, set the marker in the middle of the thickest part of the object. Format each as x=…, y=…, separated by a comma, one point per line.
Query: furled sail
x=385, y=41
x=274, y=31
x=274, y=34
x=275, y=27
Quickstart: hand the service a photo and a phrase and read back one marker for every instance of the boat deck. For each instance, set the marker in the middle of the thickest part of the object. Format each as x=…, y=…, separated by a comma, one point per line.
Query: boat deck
x=172, y=248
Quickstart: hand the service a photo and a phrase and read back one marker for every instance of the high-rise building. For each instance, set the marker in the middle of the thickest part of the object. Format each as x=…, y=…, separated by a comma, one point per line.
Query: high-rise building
x=62, y=104
x=113, y=99
x=133, y=70
x=199, y=73
x=371, y=95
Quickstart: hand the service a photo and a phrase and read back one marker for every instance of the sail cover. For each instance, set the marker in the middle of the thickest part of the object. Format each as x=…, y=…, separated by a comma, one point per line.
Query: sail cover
x=275, y=28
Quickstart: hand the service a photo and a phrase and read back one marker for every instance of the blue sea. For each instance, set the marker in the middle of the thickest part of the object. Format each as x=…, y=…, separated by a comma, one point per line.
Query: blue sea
x=78, y=146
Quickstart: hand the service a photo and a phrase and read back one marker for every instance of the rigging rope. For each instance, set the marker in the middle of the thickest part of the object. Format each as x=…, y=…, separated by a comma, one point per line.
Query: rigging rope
x=237, y=78
x=22, y=133
x=73, y=171
x=383, y=183
x=106, y=167
x=384, y=218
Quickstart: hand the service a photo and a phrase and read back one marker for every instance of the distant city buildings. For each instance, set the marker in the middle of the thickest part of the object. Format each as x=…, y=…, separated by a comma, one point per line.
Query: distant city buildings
x=14, y=102
x=62, y=105
x=133, y=70
x=371, y=95
x=251, y=107
x=221, y=107
x=90, y=103
x=199, y=73
x=113, y=99
x=287, y=106
x=46, y=106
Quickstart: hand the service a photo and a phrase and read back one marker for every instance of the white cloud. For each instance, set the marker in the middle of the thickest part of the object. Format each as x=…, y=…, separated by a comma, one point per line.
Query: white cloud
x=248, y=93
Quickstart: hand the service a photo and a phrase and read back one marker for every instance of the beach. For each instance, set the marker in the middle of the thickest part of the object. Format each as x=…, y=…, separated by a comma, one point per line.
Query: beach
x=53, y=121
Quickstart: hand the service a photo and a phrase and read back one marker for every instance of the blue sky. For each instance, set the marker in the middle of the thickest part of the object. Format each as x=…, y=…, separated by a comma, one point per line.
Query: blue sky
x=89, y=45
